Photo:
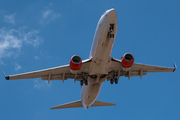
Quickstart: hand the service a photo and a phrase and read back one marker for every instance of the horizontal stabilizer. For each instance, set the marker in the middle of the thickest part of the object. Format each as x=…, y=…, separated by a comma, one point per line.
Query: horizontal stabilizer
x=69, y=105
x=100, y=103
x=78, y=103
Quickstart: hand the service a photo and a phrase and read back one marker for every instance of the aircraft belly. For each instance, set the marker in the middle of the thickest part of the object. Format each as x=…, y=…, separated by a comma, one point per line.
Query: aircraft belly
x=100, y=64
x=104, y=47
x=91, y=92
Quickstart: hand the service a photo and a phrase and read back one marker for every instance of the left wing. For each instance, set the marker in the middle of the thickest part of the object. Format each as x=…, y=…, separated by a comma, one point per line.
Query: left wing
x=136, y=70
x=57, y=73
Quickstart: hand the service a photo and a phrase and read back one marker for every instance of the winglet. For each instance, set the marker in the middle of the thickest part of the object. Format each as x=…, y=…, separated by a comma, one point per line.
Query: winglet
x=6, y=77
x=174, y=67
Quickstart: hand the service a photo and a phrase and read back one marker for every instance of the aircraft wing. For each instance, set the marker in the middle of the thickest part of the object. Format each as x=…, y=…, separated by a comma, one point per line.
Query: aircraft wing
x=137, y=69
x=56, y=73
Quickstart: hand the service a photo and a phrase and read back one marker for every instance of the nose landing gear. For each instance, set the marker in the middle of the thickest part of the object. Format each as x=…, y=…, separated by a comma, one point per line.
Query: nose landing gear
x=111, y=28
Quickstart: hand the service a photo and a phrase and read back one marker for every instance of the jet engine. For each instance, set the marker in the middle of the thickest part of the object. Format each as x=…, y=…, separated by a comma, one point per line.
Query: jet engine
x=127, y=61
x=75, y=63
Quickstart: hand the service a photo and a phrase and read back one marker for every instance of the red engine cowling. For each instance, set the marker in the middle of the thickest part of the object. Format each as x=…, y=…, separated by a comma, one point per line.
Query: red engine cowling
x=75, y=63
x=127, y=61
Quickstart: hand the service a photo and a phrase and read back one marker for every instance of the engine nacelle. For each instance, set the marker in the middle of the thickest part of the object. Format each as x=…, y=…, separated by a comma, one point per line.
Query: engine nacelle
x=127, y=61
x=75, y=63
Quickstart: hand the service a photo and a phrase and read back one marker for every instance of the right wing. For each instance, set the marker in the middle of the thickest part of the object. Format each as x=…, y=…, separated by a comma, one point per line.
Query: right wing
x=57, y=73
x=136, y=70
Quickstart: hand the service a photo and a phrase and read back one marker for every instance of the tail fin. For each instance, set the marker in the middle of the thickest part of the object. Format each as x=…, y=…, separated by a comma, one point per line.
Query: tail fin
x=78, y=103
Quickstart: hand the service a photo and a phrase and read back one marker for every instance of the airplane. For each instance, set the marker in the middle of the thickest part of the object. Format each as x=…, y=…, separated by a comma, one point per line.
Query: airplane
x=98, y=68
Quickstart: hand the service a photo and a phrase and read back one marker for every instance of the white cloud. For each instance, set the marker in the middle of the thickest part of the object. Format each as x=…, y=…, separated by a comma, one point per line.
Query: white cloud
x=48, y=16
x=17, y=67
x=47, y=13
x=11, y=41
x=36, y=57
x=32, y=38
x=9, y=18
x=40, y=84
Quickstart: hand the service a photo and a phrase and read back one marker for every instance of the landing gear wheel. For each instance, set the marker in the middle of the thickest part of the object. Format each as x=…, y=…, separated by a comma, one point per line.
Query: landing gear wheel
x=116, y=81
x=111, y=36
x=81, y=82
x=86, y=82
x=111, y=81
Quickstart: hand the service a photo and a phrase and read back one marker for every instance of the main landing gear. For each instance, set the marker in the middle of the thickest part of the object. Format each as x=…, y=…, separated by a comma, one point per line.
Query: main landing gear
x=84, y=82
x=111, y=28
x=114, y=80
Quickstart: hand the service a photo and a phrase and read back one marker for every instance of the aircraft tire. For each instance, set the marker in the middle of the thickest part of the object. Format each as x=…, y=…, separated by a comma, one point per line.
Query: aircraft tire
x=81, y=82
x=111, y=81
x=86, y=82
x=116, y=81
x=111, y=35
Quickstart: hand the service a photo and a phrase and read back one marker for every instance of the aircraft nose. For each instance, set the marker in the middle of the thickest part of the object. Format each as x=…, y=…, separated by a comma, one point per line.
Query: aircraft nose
x=111, y=12
x=111, y=15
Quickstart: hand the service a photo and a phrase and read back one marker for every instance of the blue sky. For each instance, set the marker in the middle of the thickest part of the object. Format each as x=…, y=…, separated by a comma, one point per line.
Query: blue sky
x=38, y=34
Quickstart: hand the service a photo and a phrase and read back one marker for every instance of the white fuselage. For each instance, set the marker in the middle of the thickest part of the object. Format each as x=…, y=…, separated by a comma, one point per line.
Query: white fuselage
x=100, y=55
